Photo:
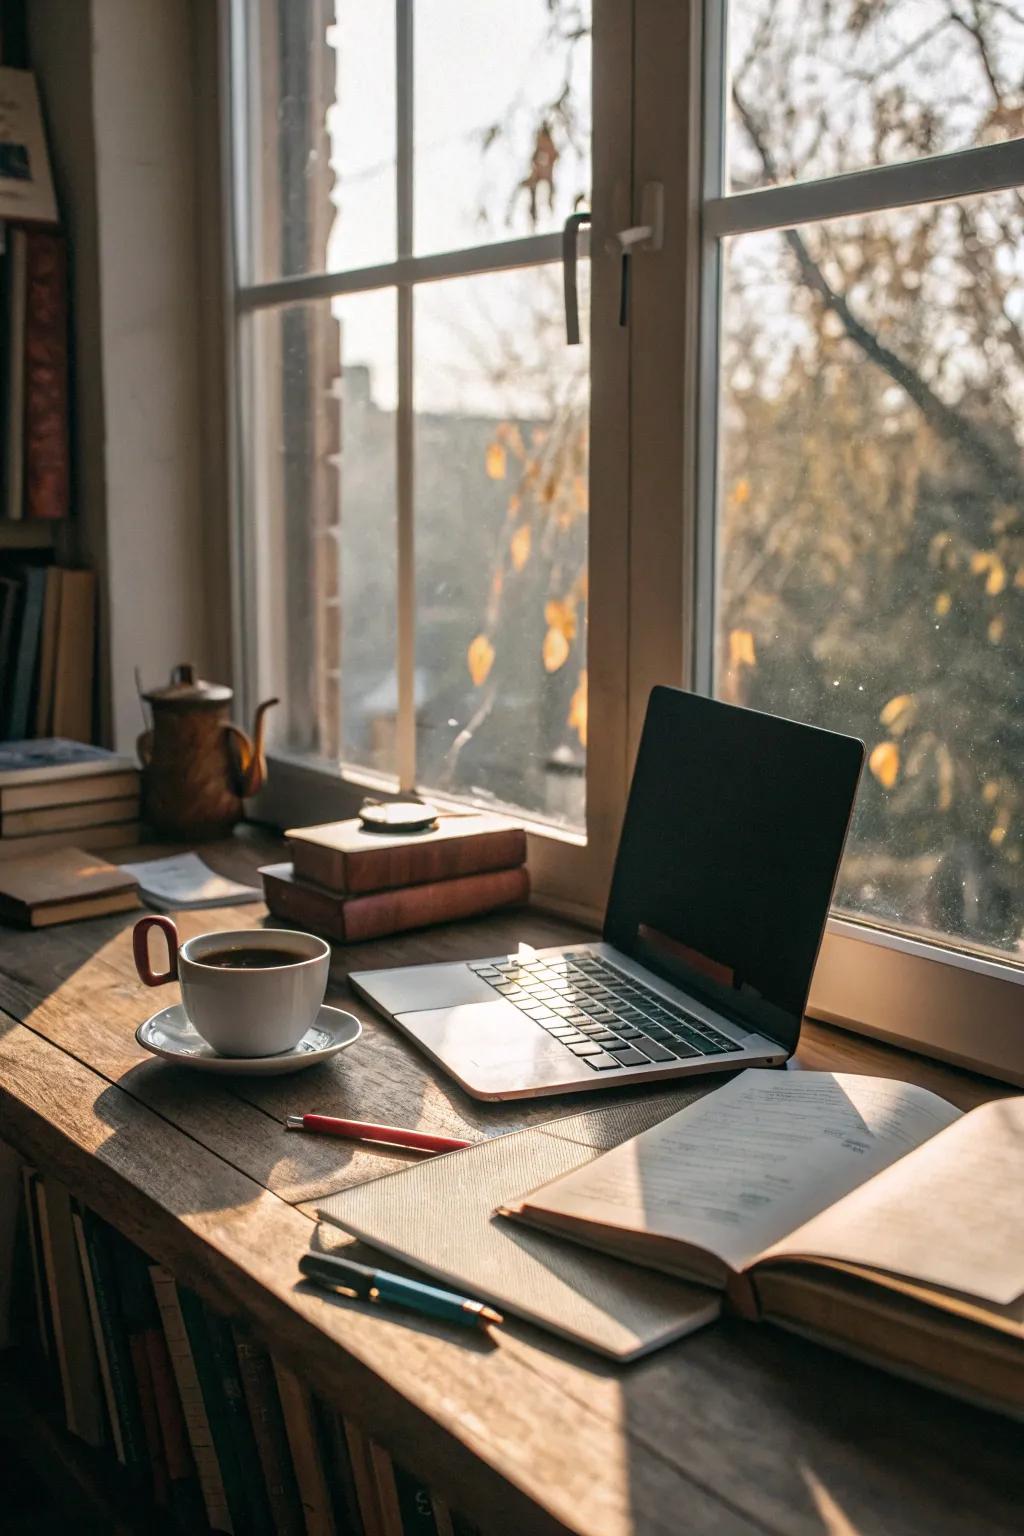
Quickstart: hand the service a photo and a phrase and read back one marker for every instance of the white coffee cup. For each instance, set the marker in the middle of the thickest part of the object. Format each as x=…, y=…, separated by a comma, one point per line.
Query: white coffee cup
x=240, y=1004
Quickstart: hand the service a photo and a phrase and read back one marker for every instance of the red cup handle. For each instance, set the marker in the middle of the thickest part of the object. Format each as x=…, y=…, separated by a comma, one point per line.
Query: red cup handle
x=140, y=948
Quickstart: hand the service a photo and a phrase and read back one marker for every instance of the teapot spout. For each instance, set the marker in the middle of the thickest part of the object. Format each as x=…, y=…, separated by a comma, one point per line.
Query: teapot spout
x=249, y=760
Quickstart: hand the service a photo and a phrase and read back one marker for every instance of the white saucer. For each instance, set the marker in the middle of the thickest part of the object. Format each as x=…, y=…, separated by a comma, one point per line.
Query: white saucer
x=170, y=1034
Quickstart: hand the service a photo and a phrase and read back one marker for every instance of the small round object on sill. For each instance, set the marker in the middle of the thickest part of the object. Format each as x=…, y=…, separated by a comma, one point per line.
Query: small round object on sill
x=398, y=817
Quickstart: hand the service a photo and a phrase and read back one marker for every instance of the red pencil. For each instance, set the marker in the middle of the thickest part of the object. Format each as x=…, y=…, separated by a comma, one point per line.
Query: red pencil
x=358, y=1130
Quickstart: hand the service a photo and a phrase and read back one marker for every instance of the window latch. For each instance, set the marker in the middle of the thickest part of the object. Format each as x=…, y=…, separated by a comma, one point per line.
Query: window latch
x=570, y=257
x=646, y=236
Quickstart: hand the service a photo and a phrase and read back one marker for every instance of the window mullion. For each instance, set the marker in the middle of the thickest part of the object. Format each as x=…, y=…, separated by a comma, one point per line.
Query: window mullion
x=936, y=178
x=405, y=745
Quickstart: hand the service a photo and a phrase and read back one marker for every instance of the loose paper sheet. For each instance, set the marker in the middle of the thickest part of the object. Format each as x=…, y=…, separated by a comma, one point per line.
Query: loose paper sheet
x=184, y=880
x=950, y=1214
x=737, y=1171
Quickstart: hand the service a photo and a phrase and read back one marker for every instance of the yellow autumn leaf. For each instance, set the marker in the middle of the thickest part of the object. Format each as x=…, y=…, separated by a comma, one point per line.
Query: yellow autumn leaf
x=899, y=712
x=741, y=492
x=495, y=461
x=946, y=777
x=522, y=539
x=1018, y=580
x=480, y=659
x=577, y=717
x=561, y=616
x=996, y=579
x=991, y=792
x=741, y=648
x=555, y=650
x=997, y=629
x=980, y=562
x=943, y=603
x=512, y=510
x=884, y=763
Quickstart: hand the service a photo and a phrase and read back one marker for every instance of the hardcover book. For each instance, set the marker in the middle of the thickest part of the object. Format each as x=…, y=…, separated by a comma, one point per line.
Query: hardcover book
x=345, y=857
x=63, y=885
x=47, y=452
x=354, y=919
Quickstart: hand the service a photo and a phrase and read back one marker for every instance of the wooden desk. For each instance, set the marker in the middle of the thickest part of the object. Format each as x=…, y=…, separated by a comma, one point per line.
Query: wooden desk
x=737, y=1430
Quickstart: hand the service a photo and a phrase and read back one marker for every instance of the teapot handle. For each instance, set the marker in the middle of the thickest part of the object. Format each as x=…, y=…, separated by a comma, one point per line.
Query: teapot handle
x=144, y=747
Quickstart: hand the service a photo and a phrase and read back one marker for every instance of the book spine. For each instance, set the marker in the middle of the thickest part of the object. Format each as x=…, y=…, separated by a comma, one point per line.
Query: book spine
x=15, y=293
x=185, y=1497
x=44, y=1324
x=444, y=901
x=100, y=1338
x=341, y=1477
x=377, y=869
x=416, y=1504
x=59, y=818
x=303, y=1442
x=302, y=905
x=193, y=1407
x=388, y=1508
x=20, y=691
x=135, y=1300
x=76, y=1354
x=47, y=453
x=364, y=1479
x=260, y=1390
x=258, y=1520
x=356, y=918
x=196, y=1320
x=126, y=1413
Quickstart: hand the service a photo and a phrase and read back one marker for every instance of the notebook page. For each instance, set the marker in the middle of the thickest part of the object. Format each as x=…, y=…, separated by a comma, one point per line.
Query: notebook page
x=951, y=1214
x=733, y=1173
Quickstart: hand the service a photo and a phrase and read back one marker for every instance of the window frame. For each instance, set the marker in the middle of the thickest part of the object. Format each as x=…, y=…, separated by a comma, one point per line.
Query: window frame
x=569, y=871
x=955, y=1003
x=652, y=510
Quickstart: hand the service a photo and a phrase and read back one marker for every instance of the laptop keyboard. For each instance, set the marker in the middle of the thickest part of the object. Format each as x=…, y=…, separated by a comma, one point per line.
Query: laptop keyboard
x=606, y=1018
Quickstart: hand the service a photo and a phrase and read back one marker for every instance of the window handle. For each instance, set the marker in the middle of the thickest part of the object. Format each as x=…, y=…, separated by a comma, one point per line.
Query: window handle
x=570, y=257
x=648, y=236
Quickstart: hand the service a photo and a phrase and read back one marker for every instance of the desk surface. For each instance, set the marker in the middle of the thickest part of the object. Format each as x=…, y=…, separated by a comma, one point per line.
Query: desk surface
x=737, y=1430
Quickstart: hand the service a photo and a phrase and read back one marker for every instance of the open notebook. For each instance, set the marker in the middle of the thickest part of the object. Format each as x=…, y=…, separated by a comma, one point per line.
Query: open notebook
x=868, y=1213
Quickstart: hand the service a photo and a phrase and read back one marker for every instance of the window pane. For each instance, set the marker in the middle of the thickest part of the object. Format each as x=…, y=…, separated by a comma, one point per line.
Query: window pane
x=871, y=541
x=501, y=540
x=819, y=87
x=502, y=118
x=322, y=435
x=323, y=136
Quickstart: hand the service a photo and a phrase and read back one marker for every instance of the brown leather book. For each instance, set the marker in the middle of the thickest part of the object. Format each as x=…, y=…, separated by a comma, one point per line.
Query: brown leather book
x=73, y=667
x=58, y=886
x=352, y=919
x=47, y=453
x=345, y=857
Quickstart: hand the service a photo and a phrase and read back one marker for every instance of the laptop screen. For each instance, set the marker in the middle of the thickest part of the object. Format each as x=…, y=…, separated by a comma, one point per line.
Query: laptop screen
x=729, y=853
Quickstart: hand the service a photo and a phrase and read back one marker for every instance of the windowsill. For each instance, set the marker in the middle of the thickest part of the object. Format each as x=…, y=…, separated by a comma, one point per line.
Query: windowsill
x=349, y=784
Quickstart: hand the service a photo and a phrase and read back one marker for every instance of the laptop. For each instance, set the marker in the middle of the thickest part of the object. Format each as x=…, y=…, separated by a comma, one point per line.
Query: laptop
x=723, y=879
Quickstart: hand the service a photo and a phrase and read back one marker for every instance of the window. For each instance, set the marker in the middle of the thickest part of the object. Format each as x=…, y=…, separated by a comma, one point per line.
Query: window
x=415, y=430
x=862, y=476
x=792, y=477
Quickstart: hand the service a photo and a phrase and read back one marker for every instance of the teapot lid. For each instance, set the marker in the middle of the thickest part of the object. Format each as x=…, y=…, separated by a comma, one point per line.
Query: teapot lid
x=186, y=691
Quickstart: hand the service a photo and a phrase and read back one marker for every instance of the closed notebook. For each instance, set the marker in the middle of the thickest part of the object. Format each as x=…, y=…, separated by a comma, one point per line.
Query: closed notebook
x=353, y=919
x=345, y=857
x=59, y=886
x=440, y=1216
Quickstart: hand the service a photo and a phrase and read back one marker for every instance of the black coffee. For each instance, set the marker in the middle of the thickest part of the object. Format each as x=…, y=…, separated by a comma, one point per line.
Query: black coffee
x=242, y=959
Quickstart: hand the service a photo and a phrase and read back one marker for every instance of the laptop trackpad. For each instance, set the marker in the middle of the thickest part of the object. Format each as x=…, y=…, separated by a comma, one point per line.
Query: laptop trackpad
x=486, y=1036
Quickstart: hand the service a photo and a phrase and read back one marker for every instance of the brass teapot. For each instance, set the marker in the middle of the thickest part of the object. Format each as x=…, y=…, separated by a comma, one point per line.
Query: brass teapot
x=197, y=767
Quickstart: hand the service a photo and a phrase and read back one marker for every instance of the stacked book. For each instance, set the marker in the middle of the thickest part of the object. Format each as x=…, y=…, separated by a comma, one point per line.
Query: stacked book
x=56, y=793
x=205, y=1424
x=352, y=884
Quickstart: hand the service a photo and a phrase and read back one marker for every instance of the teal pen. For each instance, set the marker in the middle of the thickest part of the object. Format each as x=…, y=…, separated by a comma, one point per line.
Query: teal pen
x=378, y=1286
